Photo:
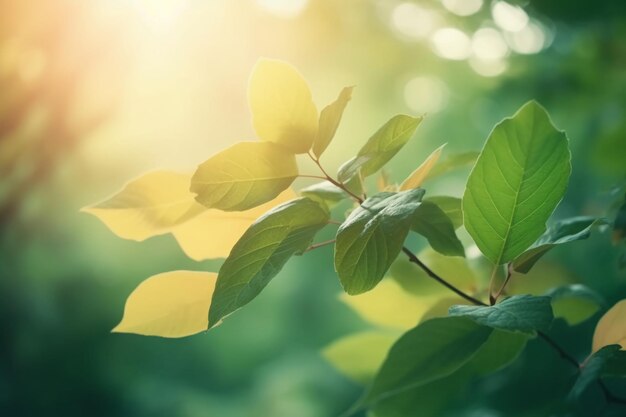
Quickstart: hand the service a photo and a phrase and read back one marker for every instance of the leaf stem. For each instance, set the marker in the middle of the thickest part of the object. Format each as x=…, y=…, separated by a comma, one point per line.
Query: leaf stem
x=332, y=180
x=319, y=245
x=506, y=281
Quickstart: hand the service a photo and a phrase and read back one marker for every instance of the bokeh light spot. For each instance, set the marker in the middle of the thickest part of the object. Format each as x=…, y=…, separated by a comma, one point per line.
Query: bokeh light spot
x=451, y=43
x=425, y=94
x=462, y=7
x=509, y=17
x=413, y=21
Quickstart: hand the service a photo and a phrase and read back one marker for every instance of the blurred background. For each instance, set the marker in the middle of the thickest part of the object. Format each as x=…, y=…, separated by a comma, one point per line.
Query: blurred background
x=96, y=92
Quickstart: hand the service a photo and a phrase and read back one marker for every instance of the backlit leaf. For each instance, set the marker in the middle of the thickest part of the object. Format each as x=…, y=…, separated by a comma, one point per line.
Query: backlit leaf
x=330, y=117
x=452, y=163
x=358, y=356
x=418, y=176
x=575, y=303
x=381, y=147
x=519, y=313
x=432, y=223
x=389, y=305
x=564, y=231
x=262, y=251
x=611, y=329
x=371, y=238
x=148, y=206
x=283, y=111
x=244, y=176
x=213, y=233
x=517, y=182
x=171, y=304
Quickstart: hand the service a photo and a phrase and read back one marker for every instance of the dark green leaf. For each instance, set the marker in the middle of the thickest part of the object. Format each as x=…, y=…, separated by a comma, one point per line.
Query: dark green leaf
x=575, y=303
x=564, y=231
x=604, y=362
x=500, y=350
x=371, y=238
x=381, y=147
x=433, y=350
x=262, y=251
x=517, y=182
x=432, y=223
x=520, y=313
x=451, y=206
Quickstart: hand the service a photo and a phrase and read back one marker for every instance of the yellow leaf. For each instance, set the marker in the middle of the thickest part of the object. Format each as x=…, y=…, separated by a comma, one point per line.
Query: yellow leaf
x=330, y=117
x=283, y=111
x=171, y=304
x=213, y=233
x=390, y=306
x=244, y=176
x=418, y=176
x=149, y=205
x=359, y=356
x=611, y=329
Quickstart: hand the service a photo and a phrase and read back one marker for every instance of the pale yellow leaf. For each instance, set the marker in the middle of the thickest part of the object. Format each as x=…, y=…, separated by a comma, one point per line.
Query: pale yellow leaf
x=330, y=117
x=611, y=329
x=389, y=305
x=418, y=176
x=213, y=233
x=171, y=304
x=283, y=111
x=359, y=356
x=244, y=176
x=149, y=205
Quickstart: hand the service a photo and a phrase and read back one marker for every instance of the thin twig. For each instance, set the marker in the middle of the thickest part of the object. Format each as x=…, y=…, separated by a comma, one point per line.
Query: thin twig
x=610, y=397
x=506, y=281
x=333, y=181
x=433, y=275
x=319, y=245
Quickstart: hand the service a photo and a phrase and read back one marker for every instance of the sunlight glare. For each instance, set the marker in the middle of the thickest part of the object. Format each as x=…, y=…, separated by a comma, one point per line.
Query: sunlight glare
x=160, y=13
x=283, y=8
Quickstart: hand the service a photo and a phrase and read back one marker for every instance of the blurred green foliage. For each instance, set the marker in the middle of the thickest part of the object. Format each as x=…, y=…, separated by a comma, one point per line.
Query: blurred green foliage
x=64, y=278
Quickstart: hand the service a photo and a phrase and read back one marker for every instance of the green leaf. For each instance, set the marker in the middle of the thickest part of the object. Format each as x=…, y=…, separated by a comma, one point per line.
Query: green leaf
x=451, y=206
x=262, y=252
x=565, y=231
x=501, y=349
x=431, y=351
x=371, y=238
x=432, y=223
x=603, y=362
x=325, y=191
x=520, y=313
x=244, y=176
x=381, y=147
x=330, y=117
x=619, y=224
x=358, y=356
x=453, y=162
x=283, y=111
x=517, y=182
x=575, y=303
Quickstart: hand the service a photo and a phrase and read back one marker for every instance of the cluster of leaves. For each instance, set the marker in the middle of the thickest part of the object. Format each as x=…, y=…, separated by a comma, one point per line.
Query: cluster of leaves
x=238, y=205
